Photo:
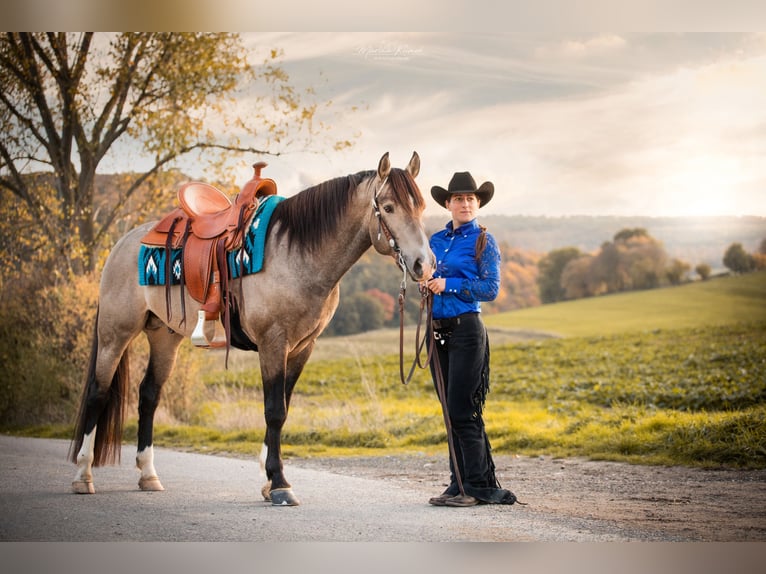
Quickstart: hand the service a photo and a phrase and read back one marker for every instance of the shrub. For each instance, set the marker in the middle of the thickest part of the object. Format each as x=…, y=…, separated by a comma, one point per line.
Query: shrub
x=45, y=333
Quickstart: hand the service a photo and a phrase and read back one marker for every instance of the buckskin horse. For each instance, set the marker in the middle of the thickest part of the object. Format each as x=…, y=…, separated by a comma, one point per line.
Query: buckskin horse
x=313, y=239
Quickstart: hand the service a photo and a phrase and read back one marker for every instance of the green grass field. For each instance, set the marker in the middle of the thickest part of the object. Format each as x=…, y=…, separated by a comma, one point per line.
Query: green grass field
x=671, y=376
x=719, y=301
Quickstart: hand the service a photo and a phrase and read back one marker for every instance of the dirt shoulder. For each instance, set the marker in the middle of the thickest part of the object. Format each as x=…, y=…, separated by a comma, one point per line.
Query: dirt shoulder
x=683, y=504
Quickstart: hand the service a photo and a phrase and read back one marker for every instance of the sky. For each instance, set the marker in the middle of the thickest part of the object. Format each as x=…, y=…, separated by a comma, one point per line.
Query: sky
x=651, y=124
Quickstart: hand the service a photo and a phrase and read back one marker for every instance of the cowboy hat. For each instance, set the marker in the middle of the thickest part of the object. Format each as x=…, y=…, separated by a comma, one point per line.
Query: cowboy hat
x=462, y=182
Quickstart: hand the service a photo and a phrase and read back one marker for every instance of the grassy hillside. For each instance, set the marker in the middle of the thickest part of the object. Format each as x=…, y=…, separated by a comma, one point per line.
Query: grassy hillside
x=672, y=376
x=719, y=301
x=692, y=396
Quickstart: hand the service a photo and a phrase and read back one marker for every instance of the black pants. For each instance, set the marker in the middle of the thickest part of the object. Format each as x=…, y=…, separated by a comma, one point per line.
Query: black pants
x=462, y=349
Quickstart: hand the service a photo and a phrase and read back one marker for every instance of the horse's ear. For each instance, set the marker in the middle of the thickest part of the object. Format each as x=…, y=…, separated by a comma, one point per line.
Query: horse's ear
x=413, y=168
x=384, y=166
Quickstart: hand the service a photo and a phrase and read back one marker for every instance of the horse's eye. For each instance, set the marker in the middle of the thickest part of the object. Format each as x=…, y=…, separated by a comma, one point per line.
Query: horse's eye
x=388, y=208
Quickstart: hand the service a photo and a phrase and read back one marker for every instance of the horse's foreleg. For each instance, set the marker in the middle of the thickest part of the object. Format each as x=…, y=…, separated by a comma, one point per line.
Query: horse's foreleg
x=163, y=349
x=277, y=393
x=275, y=410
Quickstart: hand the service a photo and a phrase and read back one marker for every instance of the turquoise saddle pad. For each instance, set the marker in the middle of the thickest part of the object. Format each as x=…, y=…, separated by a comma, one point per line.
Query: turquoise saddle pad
x=248, y=259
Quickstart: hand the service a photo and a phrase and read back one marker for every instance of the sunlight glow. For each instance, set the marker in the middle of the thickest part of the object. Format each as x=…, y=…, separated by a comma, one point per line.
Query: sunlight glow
x=705, y=185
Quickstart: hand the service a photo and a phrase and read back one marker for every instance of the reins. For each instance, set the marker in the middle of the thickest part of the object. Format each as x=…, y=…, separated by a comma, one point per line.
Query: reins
x=425, y=307
x=426, y=303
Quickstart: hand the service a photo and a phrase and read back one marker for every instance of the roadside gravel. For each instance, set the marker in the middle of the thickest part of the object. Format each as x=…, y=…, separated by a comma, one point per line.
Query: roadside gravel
x=678, y=503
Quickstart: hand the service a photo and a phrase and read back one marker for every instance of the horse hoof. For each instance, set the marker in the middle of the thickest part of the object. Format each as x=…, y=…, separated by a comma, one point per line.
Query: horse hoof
x=83, y=487
x=266, y=491
x=283, y=497
x=150, y=484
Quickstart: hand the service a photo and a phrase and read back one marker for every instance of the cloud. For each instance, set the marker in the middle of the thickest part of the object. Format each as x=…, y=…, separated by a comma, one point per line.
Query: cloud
x=589, y=47
x=675, y=143
x=630, y=124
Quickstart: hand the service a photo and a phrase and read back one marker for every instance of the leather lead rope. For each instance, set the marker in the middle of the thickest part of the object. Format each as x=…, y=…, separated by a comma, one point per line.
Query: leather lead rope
x=442, y=392
x=425, y=306
x=426, y=302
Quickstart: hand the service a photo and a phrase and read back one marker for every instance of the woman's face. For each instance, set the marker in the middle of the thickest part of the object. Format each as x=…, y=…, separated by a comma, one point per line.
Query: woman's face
x=464, y=207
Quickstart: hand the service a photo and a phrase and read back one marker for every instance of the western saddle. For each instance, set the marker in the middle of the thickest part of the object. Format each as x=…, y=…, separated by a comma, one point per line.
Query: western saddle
x=205, y=226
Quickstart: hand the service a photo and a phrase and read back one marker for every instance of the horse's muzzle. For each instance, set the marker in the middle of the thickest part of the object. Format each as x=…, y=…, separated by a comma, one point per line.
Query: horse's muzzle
x=423, y=269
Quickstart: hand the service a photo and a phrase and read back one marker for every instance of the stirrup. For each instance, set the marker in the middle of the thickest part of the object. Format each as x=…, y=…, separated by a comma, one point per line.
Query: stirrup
x=208, y=334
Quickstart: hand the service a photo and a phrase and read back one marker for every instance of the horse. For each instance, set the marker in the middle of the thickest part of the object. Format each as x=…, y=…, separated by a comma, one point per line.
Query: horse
x=313, y=238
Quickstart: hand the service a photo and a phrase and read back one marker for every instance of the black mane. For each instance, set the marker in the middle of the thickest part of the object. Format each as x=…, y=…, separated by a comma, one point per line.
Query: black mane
x=311, y=216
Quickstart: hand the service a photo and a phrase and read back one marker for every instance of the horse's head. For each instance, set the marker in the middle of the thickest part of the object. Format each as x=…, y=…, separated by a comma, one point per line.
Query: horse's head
x=397, y=225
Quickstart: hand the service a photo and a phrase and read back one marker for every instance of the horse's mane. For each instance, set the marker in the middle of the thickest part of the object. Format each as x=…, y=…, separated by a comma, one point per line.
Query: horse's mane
x=311, y=216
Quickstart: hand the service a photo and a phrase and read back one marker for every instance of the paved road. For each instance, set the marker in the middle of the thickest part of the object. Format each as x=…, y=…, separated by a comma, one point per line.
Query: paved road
x=214, y=498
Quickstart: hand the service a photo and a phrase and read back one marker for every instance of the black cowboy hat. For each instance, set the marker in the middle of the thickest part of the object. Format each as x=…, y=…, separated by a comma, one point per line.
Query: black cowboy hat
x=462, y=182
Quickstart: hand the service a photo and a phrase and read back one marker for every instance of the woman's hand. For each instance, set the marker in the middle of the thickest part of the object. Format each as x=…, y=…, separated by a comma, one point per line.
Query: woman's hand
x=436, y=285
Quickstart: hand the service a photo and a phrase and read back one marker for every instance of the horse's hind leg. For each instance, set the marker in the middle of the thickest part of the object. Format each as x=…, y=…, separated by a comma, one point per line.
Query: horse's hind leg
x=163, y=349
x=101, y=409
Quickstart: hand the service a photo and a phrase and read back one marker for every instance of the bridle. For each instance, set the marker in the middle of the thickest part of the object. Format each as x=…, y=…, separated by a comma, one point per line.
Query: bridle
x=383, y=229
x=425, y=300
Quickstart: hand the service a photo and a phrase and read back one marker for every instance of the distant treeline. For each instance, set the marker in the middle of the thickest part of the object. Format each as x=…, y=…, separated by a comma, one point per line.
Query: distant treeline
x=693, y=239
x=630, y=258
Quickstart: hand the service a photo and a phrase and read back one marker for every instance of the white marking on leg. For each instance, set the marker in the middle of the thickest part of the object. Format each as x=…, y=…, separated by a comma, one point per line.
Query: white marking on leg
x=85, y=457
x=262, y=458
x=83, y=479
x=266, y=489
x=145, y=463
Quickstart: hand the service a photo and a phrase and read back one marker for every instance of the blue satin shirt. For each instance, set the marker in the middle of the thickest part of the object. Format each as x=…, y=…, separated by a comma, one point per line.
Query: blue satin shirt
x=468, y=282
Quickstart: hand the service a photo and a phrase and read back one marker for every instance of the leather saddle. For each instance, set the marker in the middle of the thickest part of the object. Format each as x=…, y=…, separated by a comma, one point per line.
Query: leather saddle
x=205, y=226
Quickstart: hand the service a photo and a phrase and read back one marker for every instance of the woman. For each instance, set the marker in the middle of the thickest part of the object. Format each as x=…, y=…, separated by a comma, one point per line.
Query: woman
x=467, y=272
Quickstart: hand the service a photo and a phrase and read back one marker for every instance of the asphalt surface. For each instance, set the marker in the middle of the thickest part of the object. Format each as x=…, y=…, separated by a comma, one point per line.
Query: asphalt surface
x=344, y=525
x=215, y=498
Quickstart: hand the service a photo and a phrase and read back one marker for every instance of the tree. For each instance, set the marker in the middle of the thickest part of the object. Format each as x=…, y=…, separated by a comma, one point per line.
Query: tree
x=550, y=268
x=647, y=263
x=737, y=259
x=387, y=302
x=703, y=270
x=518, y=280
x=68, y=99
x=677, y=271
x=356, y=313
x=634, y=260
x=608, y=274
x=759, y=257
x=578, y=280
x=625, y=235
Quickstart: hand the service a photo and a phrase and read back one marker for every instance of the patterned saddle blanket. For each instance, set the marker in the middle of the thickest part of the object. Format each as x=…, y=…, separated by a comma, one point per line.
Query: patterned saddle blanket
x=246, y=260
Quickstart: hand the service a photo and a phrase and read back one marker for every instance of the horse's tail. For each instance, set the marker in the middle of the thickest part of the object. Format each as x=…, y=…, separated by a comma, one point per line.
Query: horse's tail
x=106, y=449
